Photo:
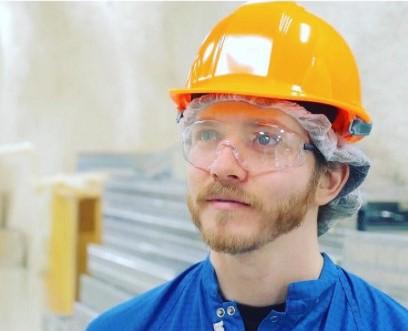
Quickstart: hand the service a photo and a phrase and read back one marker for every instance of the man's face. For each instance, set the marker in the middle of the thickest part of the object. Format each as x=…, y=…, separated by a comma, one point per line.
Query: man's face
x=237, y=211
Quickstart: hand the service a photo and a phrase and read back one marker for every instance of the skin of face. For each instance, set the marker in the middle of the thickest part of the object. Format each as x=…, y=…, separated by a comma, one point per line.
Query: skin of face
x=238, y=212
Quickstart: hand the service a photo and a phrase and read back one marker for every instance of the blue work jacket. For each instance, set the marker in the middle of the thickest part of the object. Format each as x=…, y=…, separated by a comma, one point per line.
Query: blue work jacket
x=338, y=300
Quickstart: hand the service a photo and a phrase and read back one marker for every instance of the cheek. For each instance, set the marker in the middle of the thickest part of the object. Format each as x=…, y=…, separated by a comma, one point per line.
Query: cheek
x=195, y=179
x=282, y=185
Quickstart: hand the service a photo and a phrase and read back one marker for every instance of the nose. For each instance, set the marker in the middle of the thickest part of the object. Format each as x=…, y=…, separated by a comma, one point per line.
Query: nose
x=226, y=167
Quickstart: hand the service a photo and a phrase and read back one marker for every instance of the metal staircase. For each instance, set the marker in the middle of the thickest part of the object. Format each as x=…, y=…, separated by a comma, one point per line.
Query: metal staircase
x=148, y=239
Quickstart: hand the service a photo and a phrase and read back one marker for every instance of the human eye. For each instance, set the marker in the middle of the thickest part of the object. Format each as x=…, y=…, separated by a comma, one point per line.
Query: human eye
x=205, y=135
x=267, y=139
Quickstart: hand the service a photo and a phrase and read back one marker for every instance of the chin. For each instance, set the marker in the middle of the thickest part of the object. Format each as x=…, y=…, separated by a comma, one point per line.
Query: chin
x=233, y=238
x=233, y=244
x=230, y=222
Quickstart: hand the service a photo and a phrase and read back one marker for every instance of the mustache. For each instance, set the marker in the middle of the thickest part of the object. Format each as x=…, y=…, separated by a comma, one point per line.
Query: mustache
x=227, y=192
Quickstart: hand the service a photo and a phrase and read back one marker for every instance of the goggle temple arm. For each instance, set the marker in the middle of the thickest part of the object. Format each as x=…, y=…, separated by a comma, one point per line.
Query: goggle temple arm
x=179, y=116
x=314, y=149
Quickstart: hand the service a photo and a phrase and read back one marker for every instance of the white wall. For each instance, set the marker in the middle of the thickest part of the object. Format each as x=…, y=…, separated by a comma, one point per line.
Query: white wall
x=94, y=77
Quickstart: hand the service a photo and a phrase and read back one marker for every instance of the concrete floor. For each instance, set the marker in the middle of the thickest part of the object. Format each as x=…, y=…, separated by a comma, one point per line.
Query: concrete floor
x=21, y=300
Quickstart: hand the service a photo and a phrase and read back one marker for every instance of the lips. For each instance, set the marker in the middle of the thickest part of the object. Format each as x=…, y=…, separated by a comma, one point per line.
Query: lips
x=228, y=201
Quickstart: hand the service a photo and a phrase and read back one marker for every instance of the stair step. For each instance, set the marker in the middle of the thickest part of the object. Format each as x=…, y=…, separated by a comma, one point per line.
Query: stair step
x=178, y=226
x=82, y=316
x=150, y=188
x=159, y=252
x=125, y=165
x=99, y=295
x=152, y=205
x=132, y=274
x=51, y=322
x=139, y=232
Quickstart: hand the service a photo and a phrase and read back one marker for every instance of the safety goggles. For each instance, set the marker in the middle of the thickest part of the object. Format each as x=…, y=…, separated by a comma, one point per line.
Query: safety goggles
x=258, y=147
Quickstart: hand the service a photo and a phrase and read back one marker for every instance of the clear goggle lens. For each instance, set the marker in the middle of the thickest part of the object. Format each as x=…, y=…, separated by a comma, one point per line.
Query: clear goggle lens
x=258, y=147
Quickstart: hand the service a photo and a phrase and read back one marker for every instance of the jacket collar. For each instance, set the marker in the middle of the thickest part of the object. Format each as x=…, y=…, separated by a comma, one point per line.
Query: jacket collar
x=301, y=297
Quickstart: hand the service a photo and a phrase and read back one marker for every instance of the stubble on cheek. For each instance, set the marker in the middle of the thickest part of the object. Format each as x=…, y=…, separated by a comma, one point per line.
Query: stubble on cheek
x=280, y=218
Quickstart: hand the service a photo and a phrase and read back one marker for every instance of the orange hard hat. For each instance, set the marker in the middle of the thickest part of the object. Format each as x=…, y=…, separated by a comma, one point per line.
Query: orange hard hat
x=281, y=51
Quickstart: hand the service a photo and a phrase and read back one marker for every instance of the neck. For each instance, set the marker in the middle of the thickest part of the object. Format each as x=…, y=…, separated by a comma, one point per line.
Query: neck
x=261, y=277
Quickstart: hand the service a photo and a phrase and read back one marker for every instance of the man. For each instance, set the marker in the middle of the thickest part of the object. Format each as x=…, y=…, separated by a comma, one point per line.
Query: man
x=269, y=117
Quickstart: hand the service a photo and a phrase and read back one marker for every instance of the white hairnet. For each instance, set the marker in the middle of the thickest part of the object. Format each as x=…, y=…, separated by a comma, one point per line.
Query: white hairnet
x=331, y=146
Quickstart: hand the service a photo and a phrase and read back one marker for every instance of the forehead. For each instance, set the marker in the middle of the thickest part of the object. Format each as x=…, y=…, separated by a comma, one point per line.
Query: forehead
x=231, y=111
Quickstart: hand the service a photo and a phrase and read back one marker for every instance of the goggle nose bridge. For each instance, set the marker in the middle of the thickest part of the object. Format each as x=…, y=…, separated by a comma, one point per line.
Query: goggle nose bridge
x=228, y=143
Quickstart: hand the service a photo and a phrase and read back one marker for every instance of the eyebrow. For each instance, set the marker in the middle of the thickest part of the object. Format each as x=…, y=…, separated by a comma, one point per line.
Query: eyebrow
x=274, y=122
x=252, y=122
x=262, y=122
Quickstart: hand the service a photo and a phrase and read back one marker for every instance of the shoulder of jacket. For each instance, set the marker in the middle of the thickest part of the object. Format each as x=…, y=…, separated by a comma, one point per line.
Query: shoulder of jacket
x=139, y=312
x=373, y=305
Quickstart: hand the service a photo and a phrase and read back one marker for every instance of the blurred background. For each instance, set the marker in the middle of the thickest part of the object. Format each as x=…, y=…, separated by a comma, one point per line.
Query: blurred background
x=91, y=173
